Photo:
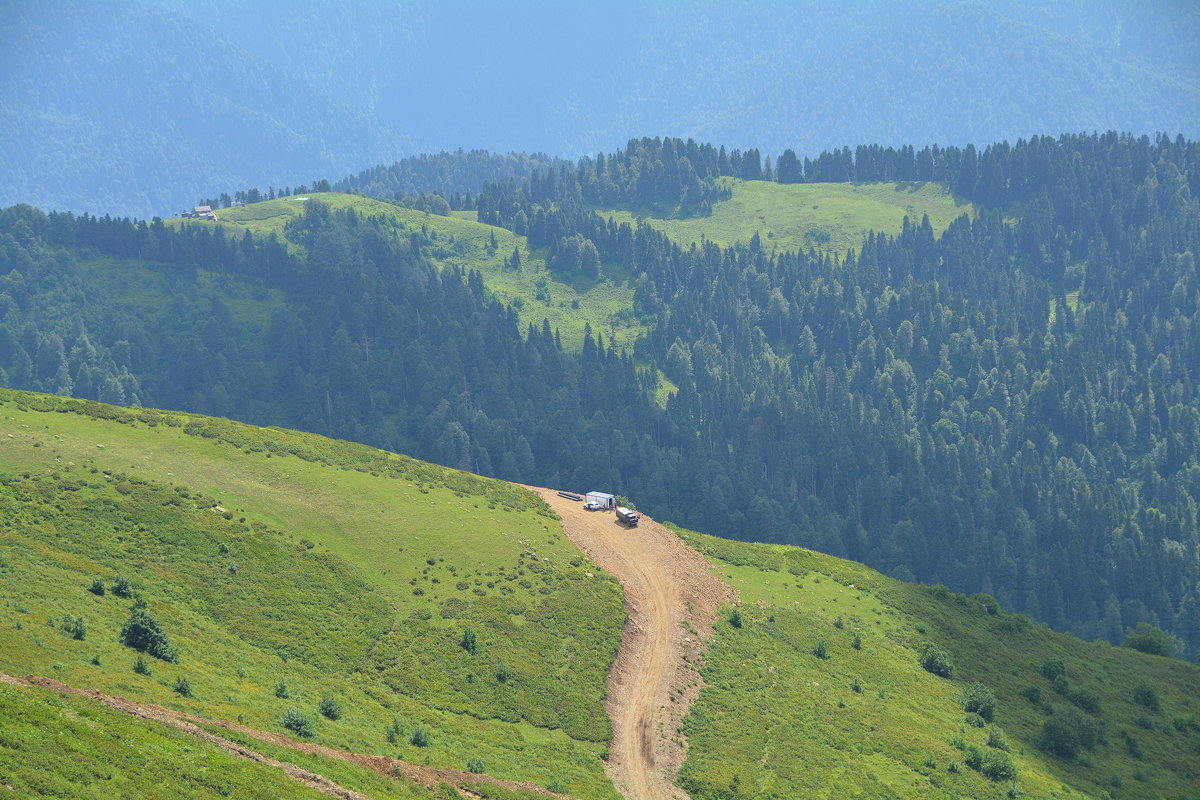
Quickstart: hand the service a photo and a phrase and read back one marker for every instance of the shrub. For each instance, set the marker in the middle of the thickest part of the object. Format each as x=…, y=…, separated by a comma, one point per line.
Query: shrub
x=76, y=627
x=419, y=737
x=953, y=767
x=298, y=723
x=996, y=739
x=934, y=659
x=143, y=632
x=1033, y=694
x=839, y=623
x=183, y=687
x=1065, y=732
x=140, y=666
x=1085, y=698
x=979, y=699
x=97, y=587
x=281, y=689
x=1149, y=639
x=735, y=619
x=1053, y=668
x=392, y=732
x=476, y=765
x=330, y=708
x=121, y=586
x=820, y=649
x=503, y=673
x=856, y=642
x=468, y=641
x=974, y=720
x=996, y=765
x=1145, y=696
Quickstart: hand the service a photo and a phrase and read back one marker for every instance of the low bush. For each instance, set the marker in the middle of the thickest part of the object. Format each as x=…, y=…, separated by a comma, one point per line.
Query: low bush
x=143, y=632
x=979, y=699
x=997, y=740
x=934, y=659
x=1145, y=696
x=330, y=708
x=298, y=723
x=121, y=586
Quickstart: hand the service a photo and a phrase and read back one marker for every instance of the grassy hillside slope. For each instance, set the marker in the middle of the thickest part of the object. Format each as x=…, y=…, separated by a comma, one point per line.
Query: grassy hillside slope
x=425, y=614
x=460, y=241
x=834, y=216
x=286, y=568
x=53, y=745
x=863, y=719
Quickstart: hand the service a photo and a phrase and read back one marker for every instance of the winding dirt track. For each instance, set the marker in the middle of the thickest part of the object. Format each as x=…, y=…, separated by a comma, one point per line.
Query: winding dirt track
x=671, y=597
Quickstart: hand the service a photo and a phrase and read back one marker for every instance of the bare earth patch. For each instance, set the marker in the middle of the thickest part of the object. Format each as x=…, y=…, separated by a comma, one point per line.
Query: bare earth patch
x=671, y=597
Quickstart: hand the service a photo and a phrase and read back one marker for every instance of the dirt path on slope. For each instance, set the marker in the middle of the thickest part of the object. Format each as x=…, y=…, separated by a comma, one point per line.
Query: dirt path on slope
x=188, y=723
x=671, y=597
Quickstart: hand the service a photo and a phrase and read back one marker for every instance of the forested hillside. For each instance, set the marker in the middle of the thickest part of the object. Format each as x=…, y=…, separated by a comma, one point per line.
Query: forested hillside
x=1008, y=408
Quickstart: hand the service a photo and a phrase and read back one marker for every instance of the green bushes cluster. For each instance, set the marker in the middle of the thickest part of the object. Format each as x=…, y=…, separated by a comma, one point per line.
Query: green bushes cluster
x=979, y=699
x=143, y=632
x=936, y=660
x=298, y=723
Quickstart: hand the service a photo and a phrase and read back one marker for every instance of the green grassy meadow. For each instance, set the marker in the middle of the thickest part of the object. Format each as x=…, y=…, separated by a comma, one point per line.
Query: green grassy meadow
x=275, y=557
x=776, y=720
x=827, y=216
x=459, y=240
x=59, y=746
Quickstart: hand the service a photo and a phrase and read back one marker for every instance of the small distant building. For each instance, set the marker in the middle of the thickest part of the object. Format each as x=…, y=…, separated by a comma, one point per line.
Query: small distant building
x=203, y=212
x=605, y=501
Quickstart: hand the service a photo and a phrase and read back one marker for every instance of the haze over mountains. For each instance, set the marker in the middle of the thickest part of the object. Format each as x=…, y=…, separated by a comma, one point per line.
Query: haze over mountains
x=141, y=107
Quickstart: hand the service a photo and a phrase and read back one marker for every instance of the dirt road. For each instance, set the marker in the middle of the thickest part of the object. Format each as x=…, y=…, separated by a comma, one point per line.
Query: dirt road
x=671, y=598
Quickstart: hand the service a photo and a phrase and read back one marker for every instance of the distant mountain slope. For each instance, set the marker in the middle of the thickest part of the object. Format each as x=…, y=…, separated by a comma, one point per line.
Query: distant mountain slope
x=957, y=72
x=572, y=78
x=119, y=108
x=134, y=107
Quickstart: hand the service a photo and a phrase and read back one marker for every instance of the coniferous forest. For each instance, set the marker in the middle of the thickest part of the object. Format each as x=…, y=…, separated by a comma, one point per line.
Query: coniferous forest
x=1008, y=408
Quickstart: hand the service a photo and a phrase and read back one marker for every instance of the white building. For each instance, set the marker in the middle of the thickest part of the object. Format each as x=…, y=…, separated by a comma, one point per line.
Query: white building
x=602, y=499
